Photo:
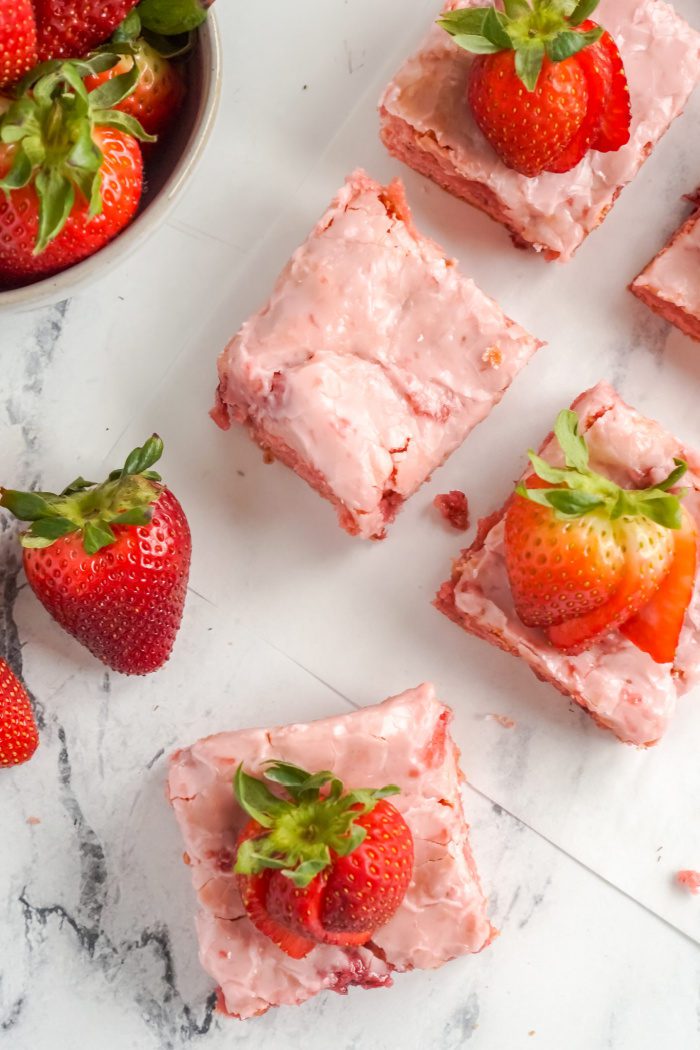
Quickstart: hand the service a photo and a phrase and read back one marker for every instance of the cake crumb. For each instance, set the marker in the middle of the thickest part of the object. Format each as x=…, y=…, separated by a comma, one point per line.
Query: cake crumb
x=492, y=357
x=503, y=720
x=689, y=879
x=187, y=859
x=33, y=821
x=532, y=1032
x=454, y=508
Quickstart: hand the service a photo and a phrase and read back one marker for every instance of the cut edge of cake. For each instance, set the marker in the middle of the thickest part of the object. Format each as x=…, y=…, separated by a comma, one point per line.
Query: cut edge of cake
x=652, y=295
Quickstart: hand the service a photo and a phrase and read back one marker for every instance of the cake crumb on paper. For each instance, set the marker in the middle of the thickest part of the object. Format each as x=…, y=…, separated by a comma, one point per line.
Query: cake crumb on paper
x=454, y=508
x=690, y=880
x=503, y=720
x=33, y=821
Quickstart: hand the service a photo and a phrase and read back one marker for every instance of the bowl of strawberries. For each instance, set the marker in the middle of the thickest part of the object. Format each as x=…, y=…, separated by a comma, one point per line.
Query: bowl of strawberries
x=105, y=109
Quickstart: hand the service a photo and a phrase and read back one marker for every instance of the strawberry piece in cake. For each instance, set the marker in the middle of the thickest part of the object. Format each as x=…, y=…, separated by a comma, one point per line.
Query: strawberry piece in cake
x=428, y=124
x=372, y=361
x=670, y=285
x=405, y=741
x=625, y=663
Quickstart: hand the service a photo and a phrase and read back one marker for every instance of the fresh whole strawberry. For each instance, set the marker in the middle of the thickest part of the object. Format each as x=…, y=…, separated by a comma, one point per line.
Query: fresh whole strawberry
x=71, y=170
x=159, y=92
x=17, y=40
x=110, y=562
x=547, y=85
x=19, y=738
x=585, y=557
x=321, y=866
x=72, y=28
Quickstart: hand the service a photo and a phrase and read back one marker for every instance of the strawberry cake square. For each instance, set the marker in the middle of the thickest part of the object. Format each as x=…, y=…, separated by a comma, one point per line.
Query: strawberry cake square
x=405, y=742
x=428, y=124
x=372, y=361
x=670, y=285
x=626, y=670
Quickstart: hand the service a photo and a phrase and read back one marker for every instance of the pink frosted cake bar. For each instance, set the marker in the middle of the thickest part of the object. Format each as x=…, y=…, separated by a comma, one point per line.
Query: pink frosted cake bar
x=618, y=684
x=372, y=361
x=670, y=285
x=426, y=123
x=404, y=741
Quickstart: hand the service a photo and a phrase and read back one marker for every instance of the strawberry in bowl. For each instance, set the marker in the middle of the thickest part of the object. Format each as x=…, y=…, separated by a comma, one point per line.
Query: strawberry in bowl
x=322, y=866
x=548, y=84
x=86, y=189
x=110, y=562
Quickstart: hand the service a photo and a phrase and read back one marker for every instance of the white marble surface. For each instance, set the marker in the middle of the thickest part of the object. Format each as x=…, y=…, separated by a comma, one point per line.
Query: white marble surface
x=577, y=837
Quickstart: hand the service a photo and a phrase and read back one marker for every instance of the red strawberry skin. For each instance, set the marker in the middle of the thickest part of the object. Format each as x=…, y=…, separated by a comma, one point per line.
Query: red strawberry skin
x=616, y=117
x=19, y=737
x=656, y=629
x=18, y=47
x=71, y=28
x=365, y=888
x=254, y=893
x=125, y=603
x=159, y=94
x=558, y=570
x=346, y=903
x=528, y=130
x=122, y=187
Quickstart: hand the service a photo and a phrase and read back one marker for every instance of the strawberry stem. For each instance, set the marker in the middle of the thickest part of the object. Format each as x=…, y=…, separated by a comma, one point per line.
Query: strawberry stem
x=50, y=129
x=579, y=490
x=125, y=498
x=302, y=833
x=530, y=29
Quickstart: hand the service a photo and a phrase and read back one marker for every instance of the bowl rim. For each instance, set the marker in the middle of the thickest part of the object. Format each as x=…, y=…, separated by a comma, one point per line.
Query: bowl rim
x=65, y=284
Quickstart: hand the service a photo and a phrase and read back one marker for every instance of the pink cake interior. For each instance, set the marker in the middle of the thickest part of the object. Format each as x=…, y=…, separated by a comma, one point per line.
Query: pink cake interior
x=670, y=285
x=404, y=741
x=427, y=124
x=372, y=361
x=622, y=687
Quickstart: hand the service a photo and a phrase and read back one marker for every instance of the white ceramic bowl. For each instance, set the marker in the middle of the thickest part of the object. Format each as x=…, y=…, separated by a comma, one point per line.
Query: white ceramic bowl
x=168, y=174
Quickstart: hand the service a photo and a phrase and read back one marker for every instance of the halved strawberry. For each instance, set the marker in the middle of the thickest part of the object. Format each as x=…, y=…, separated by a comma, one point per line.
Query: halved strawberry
x=547, y=85
x=254, y=892
x=583, y=555
x=595, y=64
x=656, y=628
x=648, y=556
x=559, y=570
x=604, y=59
x=324, y=866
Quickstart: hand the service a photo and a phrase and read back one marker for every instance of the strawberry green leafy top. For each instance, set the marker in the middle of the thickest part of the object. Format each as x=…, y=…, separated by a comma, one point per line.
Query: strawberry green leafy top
x=171, y=17
x=125, y=498
x=50, y=126
x=581, y=490
x=303, y=832
x=530, y=28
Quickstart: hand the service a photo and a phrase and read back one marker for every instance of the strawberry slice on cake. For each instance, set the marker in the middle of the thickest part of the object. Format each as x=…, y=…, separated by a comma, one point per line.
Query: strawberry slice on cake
x=329, y=854
x=589, y=571
x=575, y=97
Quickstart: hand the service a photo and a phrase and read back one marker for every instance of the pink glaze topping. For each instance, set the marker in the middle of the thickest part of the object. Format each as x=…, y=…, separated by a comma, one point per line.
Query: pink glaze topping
x=404, y=741
x=374, y=357
x=554, y=212
x=622, y=686
x=674, y=275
